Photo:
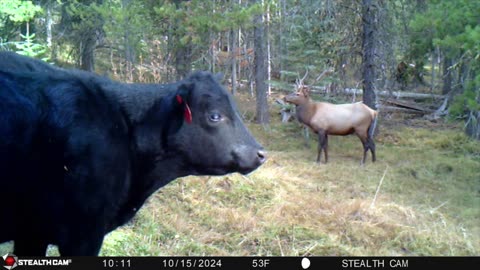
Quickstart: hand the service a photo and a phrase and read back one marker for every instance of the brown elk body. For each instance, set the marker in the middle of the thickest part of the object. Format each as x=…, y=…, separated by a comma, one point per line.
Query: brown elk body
x=332, y=119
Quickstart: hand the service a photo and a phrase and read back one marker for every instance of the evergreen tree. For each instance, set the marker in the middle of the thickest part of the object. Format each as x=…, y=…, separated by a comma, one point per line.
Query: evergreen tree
x=458, y=40
x=13, y=14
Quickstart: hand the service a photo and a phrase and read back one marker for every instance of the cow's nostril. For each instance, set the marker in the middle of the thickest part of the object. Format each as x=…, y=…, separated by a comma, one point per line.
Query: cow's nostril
x=262, y=156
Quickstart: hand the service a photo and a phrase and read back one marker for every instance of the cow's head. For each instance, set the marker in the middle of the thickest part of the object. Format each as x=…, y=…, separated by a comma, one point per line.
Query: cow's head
x=212, y=138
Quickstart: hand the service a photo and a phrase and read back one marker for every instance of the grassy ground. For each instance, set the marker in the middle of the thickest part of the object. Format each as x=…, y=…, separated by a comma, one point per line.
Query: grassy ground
x=421, y=197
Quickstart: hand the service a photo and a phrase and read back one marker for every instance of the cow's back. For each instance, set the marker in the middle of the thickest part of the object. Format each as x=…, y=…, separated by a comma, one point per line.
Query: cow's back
x=10, y=61
x=63, y=137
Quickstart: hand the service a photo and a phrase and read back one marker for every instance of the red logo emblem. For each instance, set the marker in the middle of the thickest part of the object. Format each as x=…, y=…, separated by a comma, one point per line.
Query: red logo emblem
x=10, y=261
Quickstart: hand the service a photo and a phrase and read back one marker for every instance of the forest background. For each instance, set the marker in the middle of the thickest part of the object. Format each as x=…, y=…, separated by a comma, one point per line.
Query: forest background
x=420, y=46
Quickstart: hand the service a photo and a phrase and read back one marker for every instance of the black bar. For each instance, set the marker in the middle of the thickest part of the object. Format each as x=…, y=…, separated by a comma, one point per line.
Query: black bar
x=233, y=263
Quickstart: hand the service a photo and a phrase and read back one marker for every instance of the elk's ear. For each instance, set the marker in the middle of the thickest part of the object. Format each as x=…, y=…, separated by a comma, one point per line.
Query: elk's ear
x=182, y=99
x=305, y=91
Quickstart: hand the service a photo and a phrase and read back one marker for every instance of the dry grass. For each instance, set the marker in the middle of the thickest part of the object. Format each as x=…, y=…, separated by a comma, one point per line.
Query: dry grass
x=427, y=204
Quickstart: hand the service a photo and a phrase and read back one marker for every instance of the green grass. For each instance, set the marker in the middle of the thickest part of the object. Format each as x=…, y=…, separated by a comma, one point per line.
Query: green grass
x=427, y=205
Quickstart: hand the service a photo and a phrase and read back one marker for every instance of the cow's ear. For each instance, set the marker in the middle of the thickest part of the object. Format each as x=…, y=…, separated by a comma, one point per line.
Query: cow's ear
x=219, y=76
x=182, y=99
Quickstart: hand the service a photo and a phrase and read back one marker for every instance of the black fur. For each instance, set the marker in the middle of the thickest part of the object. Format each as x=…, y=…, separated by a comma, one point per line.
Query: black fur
x=80, y=154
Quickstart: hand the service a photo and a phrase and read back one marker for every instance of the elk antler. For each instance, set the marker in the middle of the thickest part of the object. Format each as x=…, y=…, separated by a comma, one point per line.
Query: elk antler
x=299, y=82
x=326, y=71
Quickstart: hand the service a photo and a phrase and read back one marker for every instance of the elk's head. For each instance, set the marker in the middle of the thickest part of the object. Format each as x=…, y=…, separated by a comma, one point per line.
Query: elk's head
x=301, y=95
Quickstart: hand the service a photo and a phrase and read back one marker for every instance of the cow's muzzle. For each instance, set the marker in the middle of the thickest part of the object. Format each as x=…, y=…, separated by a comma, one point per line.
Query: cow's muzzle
x=248, y=158
x=262, y=156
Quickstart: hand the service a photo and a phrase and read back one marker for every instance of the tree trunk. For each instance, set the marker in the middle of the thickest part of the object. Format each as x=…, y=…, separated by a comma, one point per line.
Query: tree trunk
x=83, y=27
x=447, y=75
x=432, y=70
x=182, y=52
x=183, y=61
x=233, y=63
x=129, y=51
x=282, y=41
x=472, y=127
x=48, y=24
x=262, y=116
x=269, y=59
x=369, y=18
x=87, y=58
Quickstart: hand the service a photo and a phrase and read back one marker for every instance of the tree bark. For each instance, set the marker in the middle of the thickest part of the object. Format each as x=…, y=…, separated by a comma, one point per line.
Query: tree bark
x=233, y=64
x=84, y=28
x=87, y=58
x=369, y=35
x=49, y=24
x=472, y=127
x=282, y=42
x=182, y=52
x=269, y=59
x=129, y=51
x=262, y=116
x=183, y=61
x=447, y=75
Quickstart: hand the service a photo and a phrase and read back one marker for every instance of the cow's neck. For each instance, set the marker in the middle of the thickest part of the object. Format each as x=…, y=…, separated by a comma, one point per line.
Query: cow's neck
x=135, y=98
x=155, y=161
x=146, y=181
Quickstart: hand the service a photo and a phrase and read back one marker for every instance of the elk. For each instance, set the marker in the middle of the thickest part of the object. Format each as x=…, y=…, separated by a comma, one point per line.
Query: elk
x=334, y=119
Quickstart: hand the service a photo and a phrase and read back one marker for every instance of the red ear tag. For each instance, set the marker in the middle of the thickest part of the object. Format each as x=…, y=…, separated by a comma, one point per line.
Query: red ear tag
x=187, y=114
x=179, y=99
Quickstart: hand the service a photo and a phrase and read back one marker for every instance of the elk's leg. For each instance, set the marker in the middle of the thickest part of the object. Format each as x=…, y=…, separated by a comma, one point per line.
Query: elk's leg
x=319, y=150
x=325, y=148
x=322, y=145
x=371, y=145
x=365, y=150
x=364, y=140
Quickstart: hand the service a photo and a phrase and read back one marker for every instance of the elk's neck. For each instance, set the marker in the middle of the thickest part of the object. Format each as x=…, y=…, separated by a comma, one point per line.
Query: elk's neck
x=305, y=111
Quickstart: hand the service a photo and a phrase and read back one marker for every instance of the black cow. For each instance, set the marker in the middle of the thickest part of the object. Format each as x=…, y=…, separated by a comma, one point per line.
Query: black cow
x=80, y=154
x=10, y=61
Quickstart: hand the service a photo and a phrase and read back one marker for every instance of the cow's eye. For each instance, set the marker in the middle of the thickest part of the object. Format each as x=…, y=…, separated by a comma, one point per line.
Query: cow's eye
x=215, y=117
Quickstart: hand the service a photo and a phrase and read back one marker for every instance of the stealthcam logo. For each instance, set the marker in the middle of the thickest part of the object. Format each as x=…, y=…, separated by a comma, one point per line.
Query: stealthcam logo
x=9, y=261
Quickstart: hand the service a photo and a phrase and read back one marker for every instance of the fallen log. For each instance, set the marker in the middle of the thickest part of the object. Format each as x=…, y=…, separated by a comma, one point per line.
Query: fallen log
x=390, y=109
x=395, y=94
x=383, y=93
x=407, y=105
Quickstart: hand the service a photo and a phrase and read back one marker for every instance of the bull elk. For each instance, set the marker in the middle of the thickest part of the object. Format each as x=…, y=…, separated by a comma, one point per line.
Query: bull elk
x=332, y=119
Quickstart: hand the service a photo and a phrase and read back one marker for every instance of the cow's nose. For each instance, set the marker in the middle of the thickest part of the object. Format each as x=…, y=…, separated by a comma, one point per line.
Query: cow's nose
x=262, y=156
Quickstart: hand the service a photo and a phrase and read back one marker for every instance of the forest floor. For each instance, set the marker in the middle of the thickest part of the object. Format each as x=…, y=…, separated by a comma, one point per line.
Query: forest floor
x=421, y=198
